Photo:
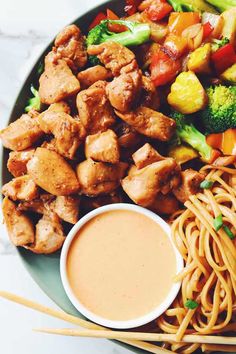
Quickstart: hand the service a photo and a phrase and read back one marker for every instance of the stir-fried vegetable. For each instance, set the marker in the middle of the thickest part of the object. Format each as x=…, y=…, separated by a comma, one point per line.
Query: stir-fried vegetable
x=219, y=43
x=191, y=5
x=187, y=133
x=222, y=5
x=223, y=58
x=34, y=102
x=179, y=21
x=229, y=75
x=199, y=60
x=156, y=10
x=226, y=141
x=220, y=114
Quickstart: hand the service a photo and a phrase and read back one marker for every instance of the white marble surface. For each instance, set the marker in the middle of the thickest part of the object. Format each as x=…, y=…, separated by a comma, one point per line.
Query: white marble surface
x=26, y=27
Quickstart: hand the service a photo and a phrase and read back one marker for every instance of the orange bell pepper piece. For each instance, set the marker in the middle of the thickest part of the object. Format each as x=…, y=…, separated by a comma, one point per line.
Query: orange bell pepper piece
x=114, y=27
x=175, y=45
x=178, y=21
x=229, y=142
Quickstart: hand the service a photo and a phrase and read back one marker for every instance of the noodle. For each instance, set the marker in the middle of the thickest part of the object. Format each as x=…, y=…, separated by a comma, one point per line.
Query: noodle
x=209, y=276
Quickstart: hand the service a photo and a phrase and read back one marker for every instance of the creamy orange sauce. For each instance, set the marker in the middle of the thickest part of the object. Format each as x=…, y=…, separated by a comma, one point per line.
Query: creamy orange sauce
x=121, y=265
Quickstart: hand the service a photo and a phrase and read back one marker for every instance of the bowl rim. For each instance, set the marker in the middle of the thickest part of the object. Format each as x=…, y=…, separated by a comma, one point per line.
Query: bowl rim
x=160, y=309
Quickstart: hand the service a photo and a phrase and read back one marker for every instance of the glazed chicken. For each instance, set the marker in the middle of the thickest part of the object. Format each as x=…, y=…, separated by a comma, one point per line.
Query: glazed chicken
x=95, y=111
x=103, y=147
x=57, y=81
x=190, y=185
x=91, y=75
x=98, y=178
x=21, y=188
x=51, y=172
x=22, y=133
x=70, y=46
x=17, y=162
x=19, y=226
x=150, y=96
x=150, y=123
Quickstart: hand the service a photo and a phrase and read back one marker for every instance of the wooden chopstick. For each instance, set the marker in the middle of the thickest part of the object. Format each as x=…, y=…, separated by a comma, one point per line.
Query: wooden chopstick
x=152, y=337
x=218, y=348
x=151, y=348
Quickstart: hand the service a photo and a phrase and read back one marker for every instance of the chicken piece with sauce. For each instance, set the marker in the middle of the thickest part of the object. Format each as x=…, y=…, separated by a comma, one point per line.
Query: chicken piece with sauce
x=17, y=162
x=57, y=81
x=146, y=155
x=190, y=185
x=91, y=75
x=95, y=111
x=70, y=46
x=19, y=226
x=150, y=123
x=21, y=188
x=142, y=186
x=22, y=133
x=52, y=173
x=98, y=178
x=150, y=96
x=165, y=204
x=103, y=147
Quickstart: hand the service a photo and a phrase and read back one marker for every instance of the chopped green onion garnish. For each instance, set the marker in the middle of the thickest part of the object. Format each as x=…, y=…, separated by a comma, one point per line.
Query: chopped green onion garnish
x=206, y=184
x=228, y=232
x=191, y=304
x=218, y=222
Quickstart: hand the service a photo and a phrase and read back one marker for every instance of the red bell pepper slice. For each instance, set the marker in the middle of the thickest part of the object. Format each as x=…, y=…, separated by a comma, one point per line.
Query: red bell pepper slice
x=207, y=29
x=223, y=58
x=158, y=10
x=163, y=68
x=132, y=6
x=114, y=27
x=100, y=16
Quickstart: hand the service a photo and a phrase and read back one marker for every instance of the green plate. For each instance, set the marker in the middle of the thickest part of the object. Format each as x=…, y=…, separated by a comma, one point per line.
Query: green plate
x=44, y=269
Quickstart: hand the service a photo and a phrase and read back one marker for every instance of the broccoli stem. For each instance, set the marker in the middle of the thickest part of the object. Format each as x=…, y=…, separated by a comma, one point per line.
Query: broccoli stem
x=222, y=5
x=137, y=34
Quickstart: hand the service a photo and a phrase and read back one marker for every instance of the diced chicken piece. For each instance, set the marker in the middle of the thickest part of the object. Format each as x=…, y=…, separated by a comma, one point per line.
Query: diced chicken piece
x=165, y=204
x=50, y=145
x=67, y=208
x=21, y=188
x=59, y=107
x=190, y=185
x=57, y=81
x=67, y=131
x=150, y=123
x=103, y=147
x=42, y=205
x=128, y=137
x=17, y=162
x=49, y=236
x=70, y=45
x=150, y=95
x=19, y=227
x=52, y=173
x=101, y=200
x=146, y=155
x=91, y=75
x=142, y=186
x=113, y=55
x=99, y=178
x=95, y=111
x=21, y=134
x=225, y=161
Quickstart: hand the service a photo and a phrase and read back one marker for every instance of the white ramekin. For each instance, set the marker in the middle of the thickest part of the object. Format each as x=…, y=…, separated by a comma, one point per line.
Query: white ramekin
x=98, y=319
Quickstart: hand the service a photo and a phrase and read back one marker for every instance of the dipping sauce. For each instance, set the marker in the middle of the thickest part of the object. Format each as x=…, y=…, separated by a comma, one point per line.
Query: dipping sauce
x=121, y=265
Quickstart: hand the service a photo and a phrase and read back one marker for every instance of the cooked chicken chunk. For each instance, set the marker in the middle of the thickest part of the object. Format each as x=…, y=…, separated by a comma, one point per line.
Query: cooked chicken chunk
x=20, y=188
x=91, y=75
x=113, y=55
x=165, y=204
x=103, y=147
x=19, y=227
x=70, y=46
x=57, y=81
x=67, y=131
x=150, y=123
x=146, y=155
x=95, y=111
x=150, y=96
x=21, y=134
x=128, y=137
x=142, y=186
x=101, y=200
x=190, y=185
x=124, y=91
x=49, y=236
x=42, y=205
x=67, y=208
x=59, y=107
x=52, y=173
x=17, y=162
x=99, y=178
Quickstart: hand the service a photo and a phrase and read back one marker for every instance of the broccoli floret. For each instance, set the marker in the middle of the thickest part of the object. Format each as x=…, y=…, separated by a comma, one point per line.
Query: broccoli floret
x=186, y=132
x=191, y=5
x=220, y=114
x=138, y=33
x=34, y=102
x=218, y=43
x=222, y=5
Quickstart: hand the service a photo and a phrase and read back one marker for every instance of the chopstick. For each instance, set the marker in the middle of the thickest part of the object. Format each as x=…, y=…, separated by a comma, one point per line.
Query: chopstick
x=218, y=348
x=151, y=348
x=152, y=337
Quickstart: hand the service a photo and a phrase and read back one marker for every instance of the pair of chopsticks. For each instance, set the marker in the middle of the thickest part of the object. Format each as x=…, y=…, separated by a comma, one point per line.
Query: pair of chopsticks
x=132, y=338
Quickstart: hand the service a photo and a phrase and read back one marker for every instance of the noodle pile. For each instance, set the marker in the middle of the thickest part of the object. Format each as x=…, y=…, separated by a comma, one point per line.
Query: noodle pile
x=209, y=276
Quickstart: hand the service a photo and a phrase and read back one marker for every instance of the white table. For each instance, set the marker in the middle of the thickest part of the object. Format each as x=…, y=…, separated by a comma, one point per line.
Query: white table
x=26, y=27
